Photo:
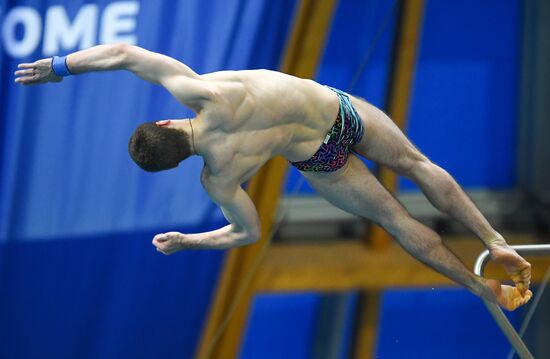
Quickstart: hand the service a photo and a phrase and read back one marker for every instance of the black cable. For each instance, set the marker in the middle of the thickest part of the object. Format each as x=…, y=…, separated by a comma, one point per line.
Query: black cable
x=372, y=47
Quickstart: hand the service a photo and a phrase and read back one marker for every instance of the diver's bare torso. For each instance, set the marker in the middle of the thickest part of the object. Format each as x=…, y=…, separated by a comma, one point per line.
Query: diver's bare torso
x=261, y=114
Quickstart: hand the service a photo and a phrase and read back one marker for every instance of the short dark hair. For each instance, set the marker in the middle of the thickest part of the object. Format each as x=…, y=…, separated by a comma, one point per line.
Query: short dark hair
x=156, y=148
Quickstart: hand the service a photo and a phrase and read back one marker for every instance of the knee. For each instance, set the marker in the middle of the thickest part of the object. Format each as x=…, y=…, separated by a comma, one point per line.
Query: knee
x=412, y=165
x=426, y=173
x=418, y=170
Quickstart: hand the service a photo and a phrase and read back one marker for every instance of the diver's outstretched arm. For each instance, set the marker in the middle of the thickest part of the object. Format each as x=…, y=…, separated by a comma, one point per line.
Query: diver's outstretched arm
x=180, y=80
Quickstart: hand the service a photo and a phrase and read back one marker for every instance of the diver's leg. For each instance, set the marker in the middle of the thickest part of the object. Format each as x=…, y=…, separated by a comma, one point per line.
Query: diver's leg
x=354, y=189
x=385, y=144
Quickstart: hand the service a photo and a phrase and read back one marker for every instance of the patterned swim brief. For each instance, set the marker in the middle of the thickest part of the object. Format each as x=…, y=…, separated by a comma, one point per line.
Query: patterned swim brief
x=334, y=151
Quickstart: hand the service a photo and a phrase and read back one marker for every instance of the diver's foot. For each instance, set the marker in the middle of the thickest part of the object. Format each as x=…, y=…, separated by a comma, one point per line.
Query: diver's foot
x=517, y=268
x=508, y=297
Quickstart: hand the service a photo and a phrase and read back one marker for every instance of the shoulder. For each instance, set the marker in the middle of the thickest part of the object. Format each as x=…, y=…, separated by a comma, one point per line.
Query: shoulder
x=219, y=187
x=228, y=93
x=215, y=177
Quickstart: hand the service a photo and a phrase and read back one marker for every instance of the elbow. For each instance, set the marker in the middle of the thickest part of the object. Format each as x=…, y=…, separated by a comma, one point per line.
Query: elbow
x=120, y=49
x=243, y=237
x=252, y=236
x=255, y=233
x=246, y=240
x=120, y=54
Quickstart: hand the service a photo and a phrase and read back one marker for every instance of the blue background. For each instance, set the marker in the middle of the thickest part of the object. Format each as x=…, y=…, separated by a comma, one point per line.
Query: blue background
x=78, y=275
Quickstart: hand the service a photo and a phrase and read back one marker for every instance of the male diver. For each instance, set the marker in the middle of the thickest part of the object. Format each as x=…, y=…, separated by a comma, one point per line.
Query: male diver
x=244, y=118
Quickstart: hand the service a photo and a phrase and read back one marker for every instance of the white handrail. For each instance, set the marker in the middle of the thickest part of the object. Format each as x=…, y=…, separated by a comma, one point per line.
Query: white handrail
x=496, y=312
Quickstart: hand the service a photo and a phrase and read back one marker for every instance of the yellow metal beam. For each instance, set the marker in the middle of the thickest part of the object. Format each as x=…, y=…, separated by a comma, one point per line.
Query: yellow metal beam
x=228, y=314
x=308, y=38
x=347, y=265
x=366, y=332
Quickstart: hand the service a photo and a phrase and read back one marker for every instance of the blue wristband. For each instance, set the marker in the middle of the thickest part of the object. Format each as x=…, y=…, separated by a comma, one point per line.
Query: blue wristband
x=59, y=66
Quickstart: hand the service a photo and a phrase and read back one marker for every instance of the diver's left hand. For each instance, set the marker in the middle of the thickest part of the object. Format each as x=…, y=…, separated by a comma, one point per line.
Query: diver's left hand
x=35, y=73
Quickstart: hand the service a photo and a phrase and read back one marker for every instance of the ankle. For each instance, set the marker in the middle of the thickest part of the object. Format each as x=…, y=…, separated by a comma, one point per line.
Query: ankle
x=486, y=288
x=496, y=241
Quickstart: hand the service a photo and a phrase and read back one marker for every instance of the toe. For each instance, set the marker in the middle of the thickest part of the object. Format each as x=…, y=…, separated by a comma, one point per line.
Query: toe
x=526, y=297
x=521, y=287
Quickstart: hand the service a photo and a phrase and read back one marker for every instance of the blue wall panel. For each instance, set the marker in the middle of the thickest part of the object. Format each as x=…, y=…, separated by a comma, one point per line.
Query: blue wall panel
x=79, y=277
x=281, y=326
x=439, y=323
x=65, y=167
x=102, y=297
x=416, y=323
x=464, y=105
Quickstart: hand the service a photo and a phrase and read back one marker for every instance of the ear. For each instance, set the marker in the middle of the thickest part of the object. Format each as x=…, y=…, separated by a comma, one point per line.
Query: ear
x=163, y=123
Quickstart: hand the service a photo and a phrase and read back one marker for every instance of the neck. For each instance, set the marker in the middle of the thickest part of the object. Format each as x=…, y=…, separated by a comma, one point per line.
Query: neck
x=191, y=127
x=193, y=148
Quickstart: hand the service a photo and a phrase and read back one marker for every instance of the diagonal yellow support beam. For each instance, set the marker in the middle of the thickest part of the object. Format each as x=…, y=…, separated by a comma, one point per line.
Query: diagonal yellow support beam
x=229, y=311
